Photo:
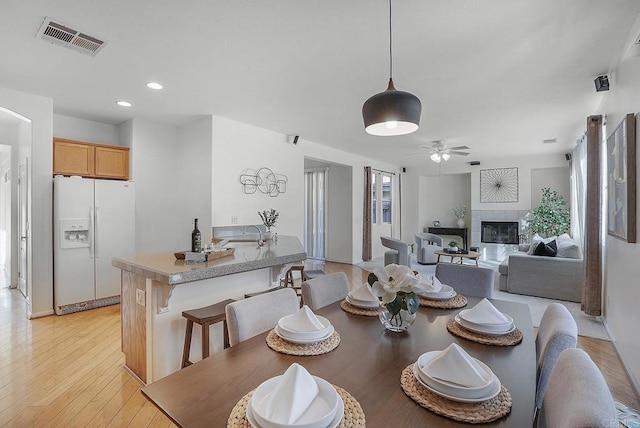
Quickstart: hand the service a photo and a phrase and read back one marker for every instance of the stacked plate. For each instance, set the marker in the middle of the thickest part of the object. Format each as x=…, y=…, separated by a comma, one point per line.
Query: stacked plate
x=446, y=292
x=461, y=378
x=363, y=298
x=304, y=327
x=486, y=319
x=286, y=401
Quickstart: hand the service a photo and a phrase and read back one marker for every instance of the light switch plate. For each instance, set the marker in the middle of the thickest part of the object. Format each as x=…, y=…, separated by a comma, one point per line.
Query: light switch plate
x=140, y=297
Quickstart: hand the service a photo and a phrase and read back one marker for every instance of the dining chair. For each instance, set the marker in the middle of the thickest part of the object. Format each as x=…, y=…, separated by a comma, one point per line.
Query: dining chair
x=577, y=395
x=557, y=332
x=398, y=253
x=324, y=290
x=467, y=280
x=250, y=317
x=426, y=246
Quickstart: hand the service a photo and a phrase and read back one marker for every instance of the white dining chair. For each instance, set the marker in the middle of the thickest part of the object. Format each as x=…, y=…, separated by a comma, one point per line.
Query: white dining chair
x=557, y=332
x=467, y=280
x=249, y=317
x=324, y=290
x=577, y=395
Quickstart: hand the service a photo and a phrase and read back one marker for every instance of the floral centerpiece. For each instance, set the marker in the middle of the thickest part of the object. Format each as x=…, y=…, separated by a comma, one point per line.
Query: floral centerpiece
x=396, y=286
x=269, y=218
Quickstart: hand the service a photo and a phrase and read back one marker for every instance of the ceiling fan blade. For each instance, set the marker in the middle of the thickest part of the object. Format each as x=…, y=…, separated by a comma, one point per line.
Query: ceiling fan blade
x=459, y=148
x=458, y=153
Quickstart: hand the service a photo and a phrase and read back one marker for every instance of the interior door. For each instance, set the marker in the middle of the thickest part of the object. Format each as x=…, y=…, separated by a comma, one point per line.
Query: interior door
x=23, y=228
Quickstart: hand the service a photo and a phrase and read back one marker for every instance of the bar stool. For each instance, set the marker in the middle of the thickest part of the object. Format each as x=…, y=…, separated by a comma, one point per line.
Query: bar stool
x=288, y=278
x=205, y=317
x=311, y=274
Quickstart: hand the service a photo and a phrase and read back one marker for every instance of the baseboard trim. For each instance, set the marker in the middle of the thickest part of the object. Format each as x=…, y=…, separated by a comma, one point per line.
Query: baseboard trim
x=634, y=382
x=31, y=315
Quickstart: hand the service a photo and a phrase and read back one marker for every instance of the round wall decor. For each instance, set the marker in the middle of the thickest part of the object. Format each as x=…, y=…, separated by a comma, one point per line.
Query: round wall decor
x=499, y=185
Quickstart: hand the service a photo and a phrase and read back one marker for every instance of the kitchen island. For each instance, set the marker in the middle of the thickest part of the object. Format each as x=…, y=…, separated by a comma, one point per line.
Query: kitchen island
x=156, y=288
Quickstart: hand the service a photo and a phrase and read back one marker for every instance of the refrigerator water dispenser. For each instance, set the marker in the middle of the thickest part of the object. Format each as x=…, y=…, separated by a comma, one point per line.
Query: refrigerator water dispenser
x=74, y=233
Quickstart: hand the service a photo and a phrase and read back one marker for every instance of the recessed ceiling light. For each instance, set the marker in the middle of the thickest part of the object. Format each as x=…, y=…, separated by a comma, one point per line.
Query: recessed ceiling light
x=154, y=85
x=124, y=103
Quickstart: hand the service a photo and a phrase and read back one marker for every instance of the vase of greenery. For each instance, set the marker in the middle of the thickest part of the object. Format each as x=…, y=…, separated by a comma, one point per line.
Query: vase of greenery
x=269, y=219
x=550, y=218
x=453, y=247
x=460, y=211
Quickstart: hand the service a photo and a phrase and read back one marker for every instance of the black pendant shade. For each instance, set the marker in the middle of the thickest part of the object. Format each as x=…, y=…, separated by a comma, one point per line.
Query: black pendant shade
x=391, y=112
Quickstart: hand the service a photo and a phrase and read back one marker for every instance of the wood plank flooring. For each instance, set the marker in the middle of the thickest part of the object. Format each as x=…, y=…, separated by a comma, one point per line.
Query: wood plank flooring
x=67, y=371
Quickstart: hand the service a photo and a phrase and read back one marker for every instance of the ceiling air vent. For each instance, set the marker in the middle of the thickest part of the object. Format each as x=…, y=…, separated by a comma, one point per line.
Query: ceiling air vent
x=62, y=35
x=550, y=141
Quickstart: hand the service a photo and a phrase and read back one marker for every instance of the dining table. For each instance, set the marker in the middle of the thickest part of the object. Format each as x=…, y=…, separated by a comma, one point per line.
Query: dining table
x=367, y=363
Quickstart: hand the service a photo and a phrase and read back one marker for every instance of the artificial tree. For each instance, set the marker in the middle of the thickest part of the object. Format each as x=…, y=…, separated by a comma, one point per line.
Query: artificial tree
x=550, y=218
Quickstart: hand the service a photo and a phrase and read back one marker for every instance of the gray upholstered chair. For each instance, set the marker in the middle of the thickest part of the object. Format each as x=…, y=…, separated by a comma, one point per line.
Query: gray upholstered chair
x=557, y=332
x=250, y=317
x=426, y=246
x=467, y=280
x=398, y=253
x=577, y=395
x=324, y=290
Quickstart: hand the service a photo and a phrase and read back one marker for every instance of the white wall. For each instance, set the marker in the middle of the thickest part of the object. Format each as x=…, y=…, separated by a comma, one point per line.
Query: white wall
x=557, y=179
x=84, y=130
x=35, y=144
x=622, y=292
x=443, y=193
x=339, y=226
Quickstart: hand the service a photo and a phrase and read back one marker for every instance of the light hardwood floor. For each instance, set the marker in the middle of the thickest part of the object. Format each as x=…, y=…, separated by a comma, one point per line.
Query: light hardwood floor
x=67, y=371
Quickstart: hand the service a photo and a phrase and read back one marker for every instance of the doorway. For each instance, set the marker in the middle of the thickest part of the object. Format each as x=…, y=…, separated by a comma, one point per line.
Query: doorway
x=5, y=215
x=23, y=209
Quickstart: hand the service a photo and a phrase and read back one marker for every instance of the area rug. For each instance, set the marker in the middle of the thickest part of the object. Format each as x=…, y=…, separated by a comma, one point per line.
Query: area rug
x=628, y=417
x=588, y=326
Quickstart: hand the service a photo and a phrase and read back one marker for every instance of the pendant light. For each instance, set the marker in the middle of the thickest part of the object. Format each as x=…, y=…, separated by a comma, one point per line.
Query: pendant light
x=391, y=112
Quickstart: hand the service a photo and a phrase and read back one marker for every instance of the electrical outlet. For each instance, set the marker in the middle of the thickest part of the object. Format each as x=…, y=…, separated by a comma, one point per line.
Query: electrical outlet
x=234, y=219
x=140, y=297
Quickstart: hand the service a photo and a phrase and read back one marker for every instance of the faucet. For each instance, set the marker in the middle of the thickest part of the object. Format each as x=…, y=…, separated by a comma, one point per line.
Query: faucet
x=260, y=240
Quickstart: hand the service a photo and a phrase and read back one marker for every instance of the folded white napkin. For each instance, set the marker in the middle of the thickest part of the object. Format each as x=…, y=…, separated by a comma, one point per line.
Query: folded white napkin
x=292, y=396
x=485, y=313
x=454, y=365
x=429, y=284
x=364, y=293
x=304, y=321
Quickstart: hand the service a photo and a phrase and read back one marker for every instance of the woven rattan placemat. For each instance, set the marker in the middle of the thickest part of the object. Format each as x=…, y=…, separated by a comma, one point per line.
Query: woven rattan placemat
x=359, y=311
x=456, y=302
x=510, y=339
x=278, y=344
x=353, y=415
x=474, y=413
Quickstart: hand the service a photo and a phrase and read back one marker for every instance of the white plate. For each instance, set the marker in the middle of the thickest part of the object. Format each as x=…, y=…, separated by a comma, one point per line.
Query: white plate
x=447, y=293
x=364, y=304
x=284, y=336
x=495, y=390
x=480, y=330
x=303, y=335
x=494, y=327
x=334, y=423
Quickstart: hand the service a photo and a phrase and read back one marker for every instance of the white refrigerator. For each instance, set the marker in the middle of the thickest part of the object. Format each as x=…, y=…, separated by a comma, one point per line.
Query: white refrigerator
x=93, y=221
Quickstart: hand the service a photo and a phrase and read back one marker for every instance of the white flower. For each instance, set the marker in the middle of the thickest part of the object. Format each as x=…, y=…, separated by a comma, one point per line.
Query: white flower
x=391, y=280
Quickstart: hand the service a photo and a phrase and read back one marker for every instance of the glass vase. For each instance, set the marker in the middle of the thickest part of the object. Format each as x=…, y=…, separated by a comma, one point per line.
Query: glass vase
x=396, y=322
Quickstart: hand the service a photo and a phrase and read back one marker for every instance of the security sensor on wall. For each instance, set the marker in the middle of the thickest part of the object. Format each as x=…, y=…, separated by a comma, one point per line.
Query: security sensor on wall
x=292, y=139
x=602, y=83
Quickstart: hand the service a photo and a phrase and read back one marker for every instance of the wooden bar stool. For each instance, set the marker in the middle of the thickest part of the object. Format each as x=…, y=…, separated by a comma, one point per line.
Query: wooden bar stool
x=205, y=317
x=288, y=278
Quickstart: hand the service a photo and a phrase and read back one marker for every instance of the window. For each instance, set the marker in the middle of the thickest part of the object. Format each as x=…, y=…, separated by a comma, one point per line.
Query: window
x=386, y=198
x=374, y=200
x=381, y=197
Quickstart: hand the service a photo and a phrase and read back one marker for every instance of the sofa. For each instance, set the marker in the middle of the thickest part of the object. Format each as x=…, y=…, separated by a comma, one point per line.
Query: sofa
x=559, y=277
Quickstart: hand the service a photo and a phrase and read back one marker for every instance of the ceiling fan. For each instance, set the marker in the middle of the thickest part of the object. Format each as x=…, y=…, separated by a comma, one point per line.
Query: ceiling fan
x=439, y=151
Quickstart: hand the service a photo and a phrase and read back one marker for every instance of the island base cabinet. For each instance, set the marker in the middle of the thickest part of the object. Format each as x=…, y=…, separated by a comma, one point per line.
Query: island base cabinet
x=134, y=315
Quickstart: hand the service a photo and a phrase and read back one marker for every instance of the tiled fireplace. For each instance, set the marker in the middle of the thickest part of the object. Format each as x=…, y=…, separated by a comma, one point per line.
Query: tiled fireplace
x=496, y=232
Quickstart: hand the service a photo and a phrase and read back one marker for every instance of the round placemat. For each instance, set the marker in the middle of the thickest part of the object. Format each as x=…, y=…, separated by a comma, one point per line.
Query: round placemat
x=278, y=344
x=473, y=413
x=353, y=415
x=510, y=339
x=359, y=311
x=456, y=302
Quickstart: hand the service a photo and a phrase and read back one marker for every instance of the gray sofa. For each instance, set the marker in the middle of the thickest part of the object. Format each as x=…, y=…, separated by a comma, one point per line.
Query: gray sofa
x=551, y=277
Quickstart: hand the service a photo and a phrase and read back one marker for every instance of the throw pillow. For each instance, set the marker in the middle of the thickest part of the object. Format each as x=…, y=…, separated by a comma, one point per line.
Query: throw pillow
x=534, y=243
x=568, y=248
x=546, y=249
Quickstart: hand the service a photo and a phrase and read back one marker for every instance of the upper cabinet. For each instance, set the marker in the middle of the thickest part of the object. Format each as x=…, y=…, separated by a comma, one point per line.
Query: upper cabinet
x=90, y=160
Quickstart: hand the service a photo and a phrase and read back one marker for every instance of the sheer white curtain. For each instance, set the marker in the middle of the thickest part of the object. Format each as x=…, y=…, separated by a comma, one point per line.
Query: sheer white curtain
x=578, y=190
x=315, y=182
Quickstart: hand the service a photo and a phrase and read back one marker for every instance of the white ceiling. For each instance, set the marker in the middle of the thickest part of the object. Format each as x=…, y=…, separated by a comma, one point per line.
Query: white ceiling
x=496, y=75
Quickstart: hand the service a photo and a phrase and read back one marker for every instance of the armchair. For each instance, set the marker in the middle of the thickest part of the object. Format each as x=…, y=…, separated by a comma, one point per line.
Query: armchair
x=398, y=253
x=427, y=245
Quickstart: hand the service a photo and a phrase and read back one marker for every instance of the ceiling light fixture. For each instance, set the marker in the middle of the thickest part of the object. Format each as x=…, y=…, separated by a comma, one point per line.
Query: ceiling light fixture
x=124, y=103
x=391, y=112
x=154, y=85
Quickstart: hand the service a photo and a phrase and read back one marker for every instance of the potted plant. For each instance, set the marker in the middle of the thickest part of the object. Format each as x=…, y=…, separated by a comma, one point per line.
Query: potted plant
x=453, y=246
x=460, y=211
x=269, y=219
x=550, y=218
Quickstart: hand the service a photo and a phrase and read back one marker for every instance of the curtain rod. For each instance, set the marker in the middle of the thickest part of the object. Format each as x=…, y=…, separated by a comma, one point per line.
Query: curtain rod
x=386, y=172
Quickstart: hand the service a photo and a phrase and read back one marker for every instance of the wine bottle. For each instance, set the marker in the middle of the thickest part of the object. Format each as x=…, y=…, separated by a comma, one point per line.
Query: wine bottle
x=196, y=246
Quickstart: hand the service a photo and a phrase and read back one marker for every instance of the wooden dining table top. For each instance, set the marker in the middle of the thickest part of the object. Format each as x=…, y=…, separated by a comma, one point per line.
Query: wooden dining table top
x=368, y=364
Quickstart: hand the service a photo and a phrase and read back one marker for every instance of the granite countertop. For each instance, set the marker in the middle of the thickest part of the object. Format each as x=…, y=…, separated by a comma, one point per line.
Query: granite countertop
x=164, y=267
